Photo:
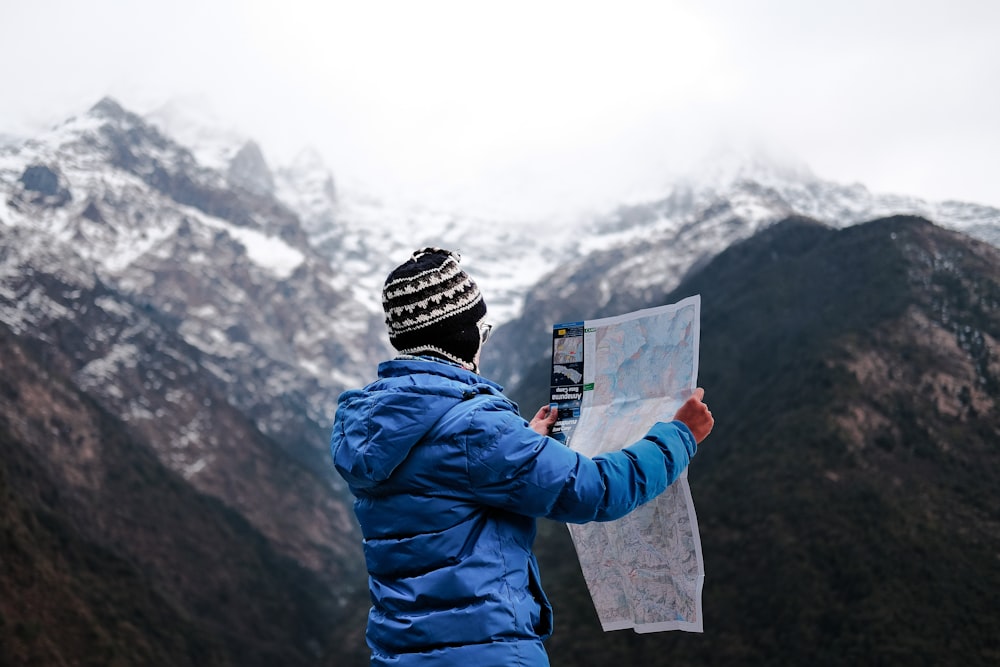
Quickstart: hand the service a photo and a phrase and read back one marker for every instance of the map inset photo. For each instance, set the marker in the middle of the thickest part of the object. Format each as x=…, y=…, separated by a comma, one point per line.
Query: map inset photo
x=567, y=360
x=567, y=350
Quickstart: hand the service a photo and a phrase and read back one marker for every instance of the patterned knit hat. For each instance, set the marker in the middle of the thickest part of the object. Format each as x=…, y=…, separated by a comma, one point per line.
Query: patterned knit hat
x=432, y=306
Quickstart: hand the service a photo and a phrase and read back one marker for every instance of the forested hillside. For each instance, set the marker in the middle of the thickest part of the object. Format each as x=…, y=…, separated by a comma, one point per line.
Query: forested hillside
x=847, y=498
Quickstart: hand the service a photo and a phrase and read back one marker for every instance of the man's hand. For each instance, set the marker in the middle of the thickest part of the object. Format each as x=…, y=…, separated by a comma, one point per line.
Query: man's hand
x=695, y=414
x=544, y=419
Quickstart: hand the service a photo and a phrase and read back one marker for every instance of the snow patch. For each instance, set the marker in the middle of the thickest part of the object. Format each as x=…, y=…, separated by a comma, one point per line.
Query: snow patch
x=193, y=469
x=103, y=370
x=113, y=307
x=268, y=252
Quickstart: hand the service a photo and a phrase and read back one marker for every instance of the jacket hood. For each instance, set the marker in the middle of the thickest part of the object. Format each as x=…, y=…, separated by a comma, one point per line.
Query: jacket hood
x=376, y=427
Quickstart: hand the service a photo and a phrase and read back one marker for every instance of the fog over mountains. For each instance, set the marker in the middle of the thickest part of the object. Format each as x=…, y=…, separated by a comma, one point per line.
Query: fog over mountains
x=178, y=318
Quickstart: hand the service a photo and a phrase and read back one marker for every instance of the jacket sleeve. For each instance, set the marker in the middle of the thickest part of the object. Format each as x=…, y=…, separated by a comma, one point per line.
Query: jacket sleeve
x=514, y=468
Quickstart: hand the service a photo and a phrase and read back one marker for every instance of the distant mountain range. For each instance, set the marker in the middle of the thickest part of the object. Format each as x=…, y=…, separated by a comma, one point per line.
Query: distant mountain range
x=644, y=249
x=177, y=318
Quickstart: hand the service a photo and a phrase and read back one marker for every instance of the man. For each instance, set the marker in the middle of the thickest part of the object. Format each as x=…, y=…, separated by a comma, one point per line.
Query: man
x=449, y=480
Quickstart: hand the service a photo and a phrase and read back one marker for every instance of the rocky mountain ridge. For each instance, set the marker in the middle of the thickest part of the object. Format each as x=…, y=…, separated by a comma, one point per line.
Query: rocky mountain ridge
x=364, y=237
x=648, y=248
x=233, y=266
x=210, y=309
x=737, y=193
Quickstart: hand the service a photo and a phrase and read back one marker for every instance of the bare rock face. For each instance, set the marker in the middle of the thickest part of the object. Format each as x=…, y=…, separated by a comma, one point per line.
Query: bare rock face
x=42, y=186
x=248, y=169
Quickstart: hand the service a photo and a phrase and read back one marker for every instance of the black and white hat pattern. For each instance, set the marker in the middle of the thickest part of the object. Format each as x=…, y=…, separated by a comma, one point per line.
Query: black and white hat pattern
x=432, y=306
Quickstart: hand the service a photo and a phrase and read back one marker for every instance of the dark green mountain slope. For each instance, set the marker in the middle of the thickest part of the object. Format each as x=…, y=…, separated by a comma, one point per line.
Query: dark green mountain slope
x=108, y=558
x=848, y=499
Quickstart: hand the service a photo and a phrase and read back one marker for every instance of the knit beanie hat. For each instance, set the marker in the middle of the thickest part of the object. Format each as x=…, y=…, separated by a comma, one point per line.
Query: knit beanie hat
x=432, y=306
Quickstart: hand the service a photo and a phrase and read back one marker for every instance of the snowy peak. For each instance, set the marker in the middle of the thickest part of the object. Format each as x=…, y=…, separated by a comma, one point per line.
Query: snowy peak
x=307, y=186
x=647, y=248
x=249, y=169
x=215, y=144
x=230, y=266
x=109, y=108
x=757, y=189
x=723, y=170
x=309, y=173
x=193, y=123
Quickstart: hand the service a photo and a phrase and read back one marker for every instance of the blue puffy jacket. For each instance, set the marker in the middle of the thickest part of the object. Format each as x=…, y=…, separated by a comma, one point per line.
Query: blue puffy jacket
x=448, y=480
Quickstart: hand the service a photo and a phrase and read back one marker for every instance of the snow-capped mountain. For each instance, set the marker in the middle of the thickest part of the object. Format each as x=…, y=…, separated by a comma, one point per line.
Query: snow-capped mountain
x=192, y=122
x=194, y=313
x=371, y=238
x=362, y=235
x=365, y=236
x=759, y=190
x=726, y=199
x=647, y=247
x=231, y=265
x=295, y=263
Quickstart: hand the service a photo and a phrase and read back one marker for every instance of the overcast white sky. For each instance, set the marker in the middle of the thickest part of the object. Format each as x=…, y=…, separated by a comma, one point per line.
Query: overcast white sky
x=533, y=108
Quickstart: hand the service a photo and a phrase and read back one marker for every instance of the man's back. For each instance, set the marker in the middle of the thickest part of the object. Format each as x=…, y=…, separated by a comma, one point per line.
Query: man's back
x=450, y=577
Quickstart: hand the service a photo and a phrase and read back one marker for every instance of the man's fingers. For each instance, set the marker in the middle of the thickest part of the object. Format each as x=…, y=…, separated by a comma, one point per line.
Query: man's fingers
x=699, y=394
